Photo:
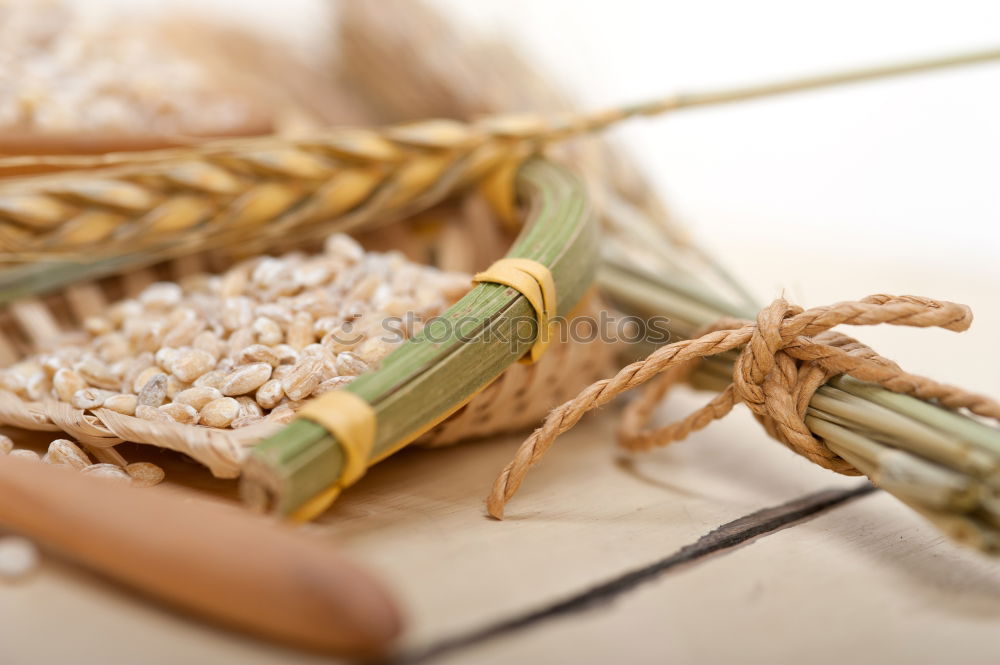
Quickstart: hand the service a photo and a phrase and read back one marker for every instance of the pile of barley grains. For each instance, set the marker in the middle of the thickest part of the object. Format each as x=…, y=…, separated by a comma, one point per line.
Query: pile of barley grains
x=230, y=350
x=68, y=71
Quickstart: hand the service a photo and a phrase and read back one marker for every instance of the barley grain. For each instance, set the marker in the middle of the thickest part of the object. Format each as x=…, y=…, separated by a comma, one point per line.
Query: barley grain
x=300, y=331
x=373, y=351
x=6, y=444
x=240, y=339
x=209, y=342
x=348, y=364
x=269, y=395
x=234, y=282
x=270, y=271
x=312, y=274
x=257, y=353
x=97, y=374
x=161, y=295
x=332, y=384
x=165, y=357
x=281, y=414
x=113, y=347
x=197, y=396
x=189, y=364
x=145, y=474
x=154, y=392
x=133, y=368
x=274, y=311
x=144, y=377
x=97, y=325
x=182, y=413
x=122, y=403
x=66, y=383
x=341, y=337
x=220, y=412
x=287, y=355
x=175, y=385
x=245, y=379
x=267, y=331
x=67, y=453
x=184, y=331
x=364, y=289
x=213, y=379
x=37, y=386
x=248, y=407
x=90, y=398
x=303, y=379
x=244, y=421
x=237, y=312
x=107, y=472
x=152, y=413
x=24, y=453
x=343, y=247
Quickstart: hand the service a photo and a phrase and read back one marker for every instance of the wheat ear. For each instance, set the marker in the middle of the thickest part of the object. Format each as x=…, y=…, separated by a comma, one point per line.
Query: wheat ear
x=155, y=204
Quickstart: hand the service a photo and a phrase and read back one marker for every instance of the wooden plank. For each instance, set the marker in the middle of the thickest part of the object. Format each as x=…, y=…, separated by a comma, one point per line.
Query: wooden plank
x=867, y=583
x=578, y=520
x=418, y=520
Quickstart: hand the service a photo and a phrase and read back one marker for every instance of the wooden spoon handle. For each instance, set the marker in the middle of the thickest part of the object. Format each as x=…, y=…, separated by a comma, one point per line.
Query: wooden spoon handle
x=217, y=561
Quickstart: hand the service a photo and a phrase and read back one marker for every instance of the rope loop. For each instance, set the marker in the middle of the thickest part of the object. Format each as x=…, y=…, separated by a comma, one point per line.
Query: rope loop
x=785, y=356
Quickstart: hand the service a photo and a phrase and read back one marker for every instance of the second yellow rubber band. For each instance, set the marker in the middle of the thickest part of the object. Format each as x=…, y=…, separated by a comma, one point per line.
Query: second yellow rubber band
x=534, y=281
x=351, y=421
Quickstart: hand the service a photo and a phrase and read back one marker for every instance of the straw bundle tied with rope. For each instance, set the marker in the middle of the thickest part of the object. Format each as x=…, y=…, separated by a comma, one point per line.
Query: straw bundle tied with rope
x=64, y=219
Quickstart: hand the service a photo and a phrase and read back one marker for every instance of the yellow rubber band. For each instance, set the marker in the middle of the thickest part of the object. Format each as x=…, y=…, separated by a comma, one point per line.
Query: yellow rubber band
x=351, y=421
x=534, y=281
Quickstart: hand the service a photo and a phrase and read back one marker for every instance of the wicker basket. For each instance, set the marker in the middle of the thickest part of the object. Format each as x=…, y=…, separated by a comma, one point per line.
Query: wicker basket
x=462, y=237
x=518, y=399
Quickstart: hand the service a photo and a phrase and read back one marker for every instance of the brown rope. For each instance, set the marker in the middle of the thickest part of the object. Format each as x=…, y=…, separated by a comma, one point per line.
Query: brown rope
x=787, y=354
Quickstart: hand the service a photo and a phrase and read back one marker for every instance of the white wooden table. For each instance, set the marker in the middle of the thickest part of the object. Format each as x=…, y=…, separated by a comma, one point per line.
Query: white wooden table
x=864, y=580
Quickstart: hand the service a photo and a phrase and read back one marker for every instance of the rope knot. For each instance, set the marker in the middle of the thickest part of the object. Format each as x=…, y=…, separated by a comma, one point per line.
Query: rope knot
x=784, y=357
x=777, y=386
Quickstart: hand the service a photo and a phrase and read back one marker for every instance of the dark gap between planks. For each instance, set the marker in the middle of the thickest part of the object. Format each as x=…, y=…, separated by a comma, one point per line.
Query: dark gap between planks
x=729, y=535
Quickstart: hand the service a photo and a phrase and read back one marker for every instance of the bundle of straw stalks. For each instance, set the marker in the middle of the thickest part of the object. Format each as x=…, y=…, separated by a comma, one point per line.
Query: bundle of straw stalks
x=88, y=216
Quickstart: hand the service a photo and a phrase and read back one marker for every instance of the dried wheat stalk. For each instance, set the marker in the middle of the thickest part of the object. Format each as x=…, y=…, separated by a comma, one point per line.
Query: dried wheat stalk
x=146, y=206
x=398, y=56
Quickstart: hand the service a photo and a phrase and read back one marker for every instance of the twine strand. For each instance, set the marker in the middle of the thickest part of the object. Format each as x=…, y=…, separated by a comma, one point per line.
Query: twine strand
x=786, y=355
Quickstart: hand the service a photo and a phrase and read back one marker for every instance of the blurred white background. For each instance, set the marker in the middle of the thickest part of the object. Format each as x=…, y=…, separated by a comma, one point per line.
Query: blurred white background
x=888, y=186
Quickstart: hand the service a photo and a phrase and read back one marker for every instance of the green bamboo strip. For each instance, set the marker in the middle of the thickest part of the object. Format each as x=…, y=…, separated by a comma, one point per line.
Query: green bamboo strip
x=646, y=298
x=712, y=306
x=898, y=472
x=439, y=369
x=919, y=438
x=954, y=518
x=935, y=416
